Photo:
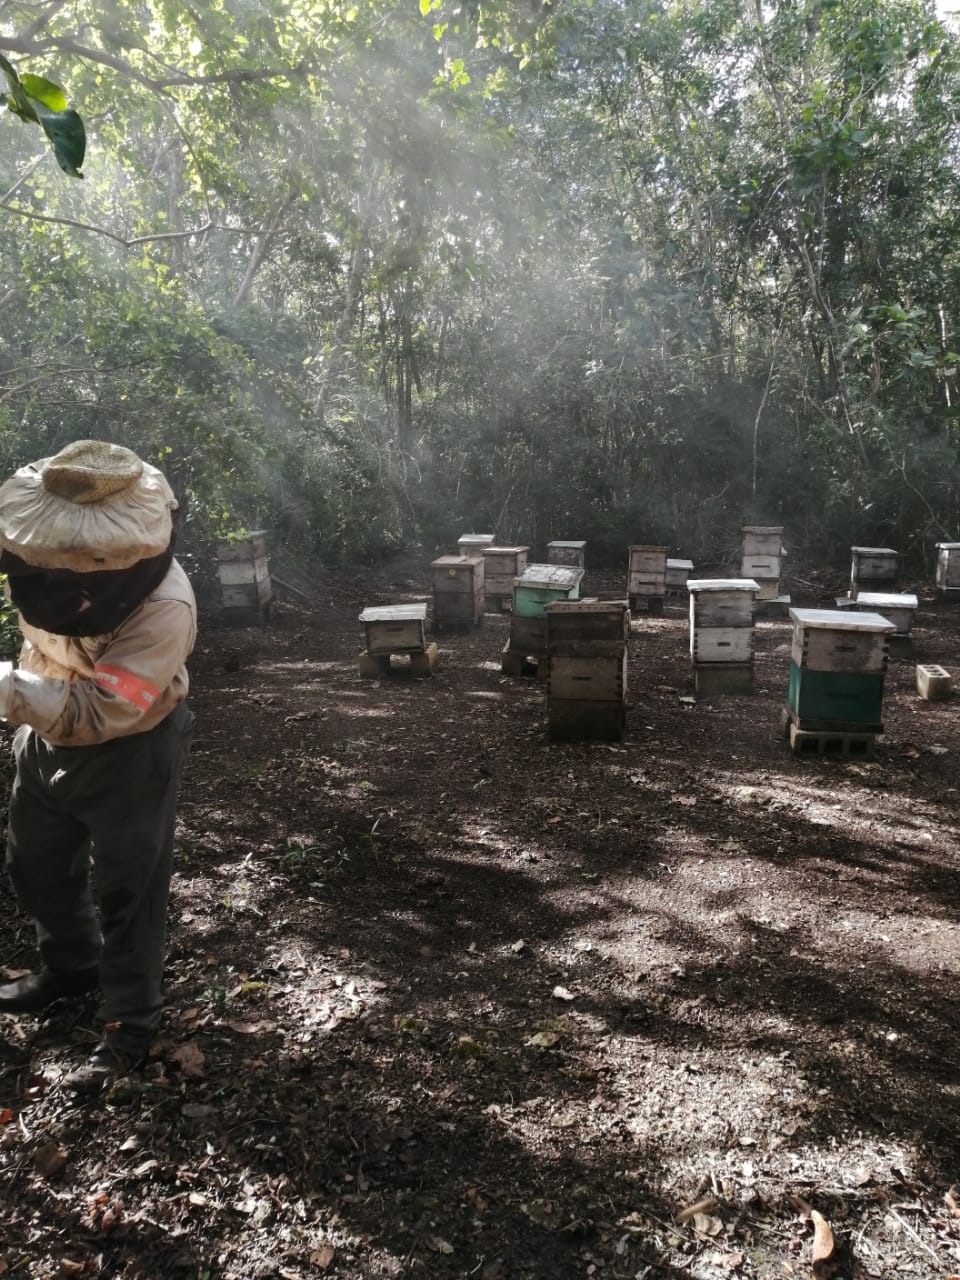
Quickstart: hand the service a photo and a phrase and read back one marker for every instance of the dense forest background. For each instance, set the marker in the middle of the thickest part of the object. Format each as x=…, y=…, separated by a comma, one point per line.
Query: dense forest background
x=374, y=273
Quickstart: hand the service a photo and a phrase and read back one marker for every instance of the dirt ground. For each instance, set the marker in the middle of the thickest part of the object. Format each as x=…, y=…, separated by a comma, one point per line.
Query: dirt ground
x=448, y=999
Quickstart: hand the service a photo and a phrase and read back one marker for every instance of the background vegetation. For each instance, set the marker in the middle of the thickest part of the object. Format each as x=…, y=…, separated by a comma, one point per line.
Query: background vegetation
x=376, y=273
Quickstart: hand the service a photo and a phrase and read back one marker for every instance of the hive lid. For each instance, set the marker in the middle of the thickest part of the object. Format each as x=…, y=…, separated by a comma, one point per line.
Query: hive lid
x=395, y=613
x=840, y=620
x=875, y=551
x=762, y=528
x=496, y=549
x=722, y=584
x=558, y=577
x=947, y=546
x=679, y=564
x=880, y=600
x=578, y=545
x=450, y=561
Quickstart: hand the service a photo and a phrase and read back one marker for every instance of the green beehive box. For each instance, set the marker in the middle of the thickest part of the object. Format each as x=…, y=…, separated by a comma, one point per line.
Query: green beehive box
x=840, y=697
x=541, y=584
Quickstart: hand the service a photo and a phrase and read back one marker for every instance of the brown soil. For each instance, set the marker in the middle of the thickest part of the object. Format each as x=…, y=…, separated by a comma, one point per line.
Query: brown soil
x=449, y=999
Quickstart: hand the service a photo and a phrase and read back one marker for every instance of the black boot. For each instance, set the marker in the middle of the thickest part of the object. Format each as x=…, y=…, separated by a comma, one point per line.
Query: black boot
x=37, y=990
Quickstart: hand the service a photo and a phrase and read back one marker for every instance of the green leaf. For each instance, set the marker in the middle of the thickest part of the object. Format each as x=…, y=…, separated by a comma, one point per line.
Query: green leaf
x=67, y=136
x=51, y=95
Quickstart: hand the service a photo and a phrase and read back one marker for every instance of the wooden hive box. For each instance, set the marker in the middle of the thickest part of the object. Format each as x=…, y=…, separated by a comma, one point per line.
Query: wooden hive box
x=948, y=566
x=587, y=628
x=595, y=679
x=898, y=609
x=840, y=640
x=721, y=644
x=244, y=573
x=837, y=666
x=568, y=553
x=677, y=575
x=762, y=540
x=500, y=566
x=395, y=628
x=458, y=589
x=872, y=567
x=473, y=544
x=722, y=602
x=646, y=571
x=539, y=584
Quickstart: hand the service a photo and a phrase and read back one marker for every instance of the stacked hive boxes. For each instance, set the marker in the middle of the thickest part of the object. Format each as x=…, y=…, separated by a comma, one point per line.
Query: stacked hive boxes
x=677, y=577
x=647, y=578
x=761, y=558
x=872, y=569
x=568, y=553
x=948, y=570
x=587, y=653
x=457, y=590
x=500, y=566
x=722, y=612
x=244, y=574
x=535, y=588
x=838, y=661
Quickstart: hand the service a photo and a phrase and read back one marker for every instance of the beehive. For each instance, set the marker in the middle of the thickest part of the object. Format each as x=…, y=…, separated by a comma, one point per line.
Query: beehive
x=244, y=573
x=473, y=544
x=539, y=584
x=587, y=656
x=457, y=590
x=500, y=566
x=567, y=553
x=871, y=568
x=722, y=612
x=646, y=574
x=898, y=609
x=948, y=569
x=722, y=602
x=677, y=575
x=837, y=665
x=395, y=628
x=761, y=559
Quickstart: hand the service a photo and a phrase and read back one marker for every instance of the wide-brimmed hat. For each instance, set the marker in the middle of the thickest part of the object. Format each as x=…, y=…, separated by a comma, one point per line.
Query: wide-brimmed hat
x=94, y=505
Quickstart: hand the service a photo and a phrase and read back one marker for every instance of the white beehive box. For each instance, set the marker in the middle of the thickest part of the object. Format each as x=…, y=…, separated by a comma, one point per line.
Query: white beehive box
x=395, y=628
x=872, y=567
x=722, y=602
x=567, y=552
x=762, y=540
x=472, y=544
x=948, y=566
x=840, y=640
x=898, y=609
x=244, y=574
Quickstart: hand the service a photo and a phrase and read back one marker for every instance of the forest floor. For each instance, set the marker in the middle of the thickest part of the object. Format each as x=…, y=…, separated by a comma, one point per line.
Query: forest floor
x=448, y=999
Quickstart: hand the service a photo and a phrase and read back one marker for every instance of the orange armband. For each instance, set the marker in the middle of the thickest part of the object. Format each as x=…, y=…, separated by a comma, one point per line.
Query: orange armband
x=127, y=686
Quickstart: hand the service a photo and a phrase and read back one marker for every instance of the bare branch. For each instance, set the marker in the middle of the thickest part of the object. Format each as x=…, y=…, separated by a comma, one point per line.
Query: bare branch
x=132, y=243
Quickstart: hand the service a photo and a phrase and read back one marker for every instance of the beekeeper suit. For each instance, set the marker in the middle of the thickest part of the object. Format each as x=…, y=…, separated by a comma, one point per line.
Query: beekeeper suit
x=108, y=620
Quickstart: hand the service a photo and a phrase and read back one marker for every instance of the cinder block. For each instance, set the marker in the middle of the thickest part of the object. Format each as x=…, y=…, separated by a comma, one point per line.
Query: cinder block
x=934, y=684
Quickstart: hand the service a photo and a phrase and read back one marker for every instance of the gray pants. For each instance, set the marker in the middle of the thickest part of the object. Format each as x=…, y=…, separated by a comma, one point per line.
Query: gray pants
x=112, y=805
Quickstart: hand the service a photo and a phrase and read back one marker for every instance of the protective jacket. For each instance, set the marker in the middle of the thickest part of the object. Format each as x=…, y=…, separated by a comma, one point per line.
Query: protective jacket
x=77, y=691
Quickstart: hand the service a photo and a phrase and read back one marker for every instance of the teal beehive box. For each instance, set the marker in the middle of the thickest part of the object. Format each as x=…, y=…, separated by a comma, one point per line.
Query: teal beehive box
x=838, y=663
x=541, y=584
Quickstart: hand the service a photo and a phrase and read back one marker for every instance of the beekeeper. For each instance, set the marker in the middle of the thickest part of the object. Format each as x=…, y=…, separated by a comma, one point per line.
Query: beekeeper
x=108, y=619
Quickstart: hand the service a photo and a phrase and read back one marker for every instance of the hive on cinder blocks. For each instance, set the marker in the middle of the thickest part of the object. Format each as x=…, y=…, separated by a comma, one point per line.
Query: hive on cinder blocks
x=948, y=571
x=722, y=612
x=457, y=591
x=647, y=578
x=587, y=658
x=838, y=661
x=568, y=553
x=396, y=629
x=500, y=566
x=244, y=574
x=872, y=569
x=535, y=588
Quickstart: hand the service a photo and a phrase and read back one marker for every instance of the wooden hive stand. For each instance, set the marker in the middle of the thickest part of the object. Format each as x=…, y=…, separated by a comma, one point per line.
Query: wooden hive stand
x=396, y=630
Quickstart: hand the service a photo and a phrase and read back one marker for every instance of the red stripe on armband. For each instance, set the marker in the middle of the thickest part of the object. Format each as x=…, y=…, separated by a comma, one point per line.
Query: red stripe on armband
x=126, y=686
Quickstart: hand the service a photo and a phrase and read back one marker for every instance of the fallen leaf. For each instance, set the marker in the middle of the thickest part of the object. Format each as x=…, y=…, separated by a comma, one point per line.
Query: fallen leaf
x=701, y=1206
x=543, y=1040
x=824, y=1246
x=189, y=1057
x=687, y=800
x=6, y=1115
x=707, y=1225
x=950, y=1200
x=250, y=1028
x=50, y=1160
x=322, y=1257
x=561, y=993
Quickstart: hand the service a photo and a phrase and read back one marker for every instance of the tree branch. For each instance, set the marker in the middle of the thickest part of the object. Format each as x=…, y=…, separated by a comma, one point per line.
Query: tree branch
x=127, y=244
